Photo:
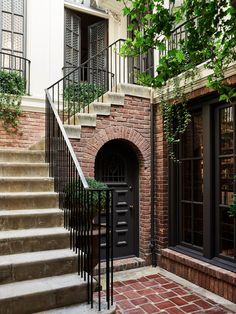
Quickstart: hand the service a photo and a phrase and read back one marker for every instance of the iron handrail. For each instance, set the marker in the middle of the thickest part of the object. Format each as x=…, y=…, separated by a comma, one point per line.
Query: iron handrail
x=12, y=63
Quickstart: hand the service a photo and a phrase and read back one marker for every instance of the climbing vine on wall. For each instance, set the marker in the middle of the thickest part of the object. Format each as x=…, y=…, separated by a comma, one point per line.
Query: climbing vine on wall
x=210, y=37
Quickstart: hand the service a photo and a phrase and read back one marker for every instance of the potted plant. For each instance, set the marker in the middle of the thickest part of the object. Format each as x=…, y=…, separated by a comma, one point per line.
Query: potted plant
x=232, y=207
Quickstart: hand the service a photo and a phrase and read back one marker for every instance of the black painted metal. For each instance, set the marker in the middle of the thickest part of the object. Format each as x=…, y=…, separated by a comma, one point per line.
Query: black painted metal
x=82, y=207
x=13, y=63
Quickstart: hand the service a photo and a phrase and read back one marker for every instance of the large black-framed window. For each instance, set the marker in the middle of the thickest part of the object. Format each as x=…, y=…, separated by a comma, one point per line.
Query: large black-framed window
x=13, y=25
x=202, y=185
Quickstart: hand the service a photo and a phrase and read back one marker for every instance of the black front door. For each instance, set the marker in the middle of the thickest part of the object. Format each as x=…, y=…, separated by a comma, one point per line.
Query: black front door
x=117, y=165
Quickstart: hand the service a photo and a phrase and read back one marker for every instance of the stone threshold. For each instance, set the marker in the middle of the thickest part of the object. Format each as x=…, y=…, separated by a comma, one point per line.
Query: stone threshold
x=123, y=264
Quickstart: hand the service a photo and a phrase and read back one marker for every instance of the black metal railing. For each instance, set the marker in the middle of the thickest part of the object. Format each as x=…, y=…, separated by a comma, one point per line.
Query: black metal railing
x=88, y=212
x=89, y=82
x=13, y=63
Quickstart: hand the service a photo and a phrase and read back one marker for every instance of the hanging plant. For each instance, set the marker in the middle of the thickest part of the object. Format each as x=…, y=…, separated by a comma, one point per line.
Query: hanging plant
x=210, y=37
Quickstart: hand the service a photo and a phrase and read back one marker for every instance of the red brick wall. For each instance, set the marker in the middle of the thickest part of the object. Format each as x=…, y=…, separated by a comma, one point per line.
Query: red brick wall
x=31, y=130
x=130, y=122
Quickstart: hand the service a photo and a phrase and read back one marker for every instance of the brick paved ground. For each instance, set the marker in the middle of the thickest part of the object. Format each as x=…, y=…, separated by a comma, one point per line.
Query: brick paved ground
x=159, y=294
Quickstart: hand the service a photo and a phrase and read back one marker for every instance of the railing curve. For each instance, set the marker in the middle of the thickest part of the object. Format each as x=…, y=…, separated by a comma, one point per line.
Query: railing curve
x=18, y=64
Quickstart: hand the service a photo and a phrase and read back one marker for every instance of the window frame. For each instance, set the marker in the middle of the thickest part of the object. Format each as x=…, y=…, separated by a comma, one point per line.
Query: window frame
x=24, y=33
x=210, y=252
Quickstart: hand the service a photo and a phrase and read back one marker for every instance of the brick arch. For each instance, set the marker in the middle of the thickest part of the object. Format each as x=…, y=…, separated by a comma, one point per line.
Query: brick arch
x=140, y=145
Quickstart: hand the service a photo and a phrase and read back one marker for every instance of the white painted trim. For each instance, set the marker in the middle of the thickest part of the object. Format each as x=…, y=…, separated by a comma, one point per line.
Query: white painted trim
x=31, y=104
x=86, y=10
x=200, y=81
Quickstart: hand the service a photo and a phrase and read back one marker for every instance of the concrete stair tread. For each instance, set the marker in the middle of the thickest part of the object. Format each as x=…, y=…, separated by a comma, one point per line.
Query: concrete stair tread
x=20, y=151
x=21, y=164
x=24, y=233
x=23, y=212
x=26, y=194
x=32, y=257
x=83, y=308
x=35, y=286
x=26, y=179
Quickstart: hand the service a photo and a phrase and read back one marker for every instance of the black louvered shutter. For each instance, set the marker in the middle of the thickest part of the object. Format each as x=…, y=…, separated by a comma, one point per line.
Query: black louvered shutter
x=72, y=41
x=97, y=43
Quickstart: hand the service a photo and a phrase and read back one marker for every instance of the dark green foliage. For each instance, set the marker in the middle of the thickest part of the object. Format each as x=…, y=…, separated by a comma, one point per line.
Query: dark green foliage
x=232, y=207
x=210, y=37
x=80, y=95
x=11, y=83
x=12, y=87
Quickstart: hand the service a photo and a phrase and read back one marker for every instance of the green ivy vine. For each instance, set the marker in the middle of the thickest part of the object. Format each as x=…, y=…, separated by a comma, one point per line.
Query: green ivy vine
x=12, y=87
x=210, y=27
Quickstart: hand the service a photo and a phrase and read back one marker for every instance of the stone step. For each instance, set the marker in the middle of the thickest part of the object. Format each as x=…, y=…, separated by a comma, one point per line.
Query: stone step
x=87, y=119
x=33, y=265
x=100, y=108
x=33, y=240
x=31, y=218
x=10, y=155
x=134, y=90
x=26, y=184
x=84, y=308
x=114, y=98
x=24, y=169
x=73, y=131
x=28, y=200
x=42, y=294
x=40, y=145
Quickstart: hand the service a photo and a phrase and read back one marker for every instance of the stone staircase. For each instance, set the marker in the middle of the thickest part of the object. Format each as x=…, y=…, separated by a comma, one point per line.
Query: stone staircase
x=102, y=107
x=37, y=268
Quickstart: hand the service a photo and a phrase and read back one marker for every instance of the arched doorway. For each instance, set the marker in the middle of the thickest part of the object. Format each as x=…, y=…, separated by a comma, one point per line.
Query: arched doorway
x=117, y=165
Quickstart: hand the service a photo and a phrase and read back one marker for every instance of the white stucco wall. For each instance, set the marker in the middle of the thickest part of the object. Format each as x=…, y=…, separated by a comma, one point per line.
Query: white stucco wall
x=45, y=36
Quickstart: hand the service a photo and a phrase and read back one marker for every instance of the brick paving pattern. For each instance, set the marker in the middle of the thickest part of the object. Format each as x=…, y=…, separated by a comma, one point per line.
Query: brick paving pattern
x=158, y=294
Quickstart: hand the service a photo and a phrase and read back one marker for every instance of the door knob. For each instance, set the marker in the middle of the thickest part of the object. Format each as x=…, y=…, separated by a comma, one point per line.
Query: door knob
x=131, y=206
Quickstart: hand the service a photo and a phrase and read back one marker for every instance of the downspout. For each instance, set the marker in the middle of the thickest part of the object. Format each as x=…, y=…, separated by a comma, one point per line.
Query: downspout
x=153, y=219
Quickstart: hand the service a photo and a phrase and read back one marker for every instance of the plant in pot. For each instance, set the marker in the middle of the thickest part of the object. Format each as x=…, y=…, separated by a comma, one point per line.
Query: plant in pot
x=232, y=207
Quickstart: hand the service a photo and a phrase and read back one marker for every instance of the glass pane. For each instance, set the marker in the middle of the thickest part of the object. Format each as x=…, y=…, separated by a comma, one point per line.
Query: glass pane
x=226, y=233
x=186, y=221
x=18, y=7
x=198, y=180
x=193, y=138
x=6, y=5
x=197, y=134
x=6, y=40
x=226, y=131
x=18, y=42
x=18, y=24
x=226, y=181
x=186, y=180
x=198, y=225
x=6, y=21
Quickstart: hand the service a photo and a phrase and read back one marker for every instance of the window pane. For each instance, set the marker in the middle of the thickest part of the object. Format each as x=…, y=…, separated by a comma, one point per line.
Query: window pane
x=18, y=24
x=186, y=221
x=226, y=181
x=186, y=183
x=18, y=7
x=18, y=42
x=198, y=180
x=6, y=21
x=226, y=131
x=197, y=134
x=198, y=225
x=6, y=40
x=226, y=233
x=6, y=5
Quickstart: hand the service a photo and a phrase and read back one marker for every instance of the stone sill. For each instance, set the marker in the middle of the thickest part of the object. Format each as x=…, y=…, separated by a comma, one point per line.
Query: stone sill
x=204, y=267
x=200, y=81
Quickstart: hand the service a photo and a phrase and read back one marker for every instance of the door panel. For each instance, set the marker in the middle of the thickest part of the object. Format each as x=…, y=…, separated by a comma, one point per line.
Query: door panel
x=98, y=42
x=117, y=166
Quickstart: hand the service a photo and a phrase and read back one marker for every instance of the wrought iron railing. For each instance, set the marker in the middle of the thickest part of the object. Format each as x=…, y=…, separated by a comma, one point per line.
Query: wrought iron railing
x=13, y=63
x=88, y=212
x=89, y=82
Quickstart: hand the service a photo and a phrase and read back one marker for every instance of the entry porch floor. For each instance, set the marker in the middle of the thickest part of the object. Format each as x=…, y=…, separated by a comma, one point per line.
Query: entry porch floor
x=154, y=290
